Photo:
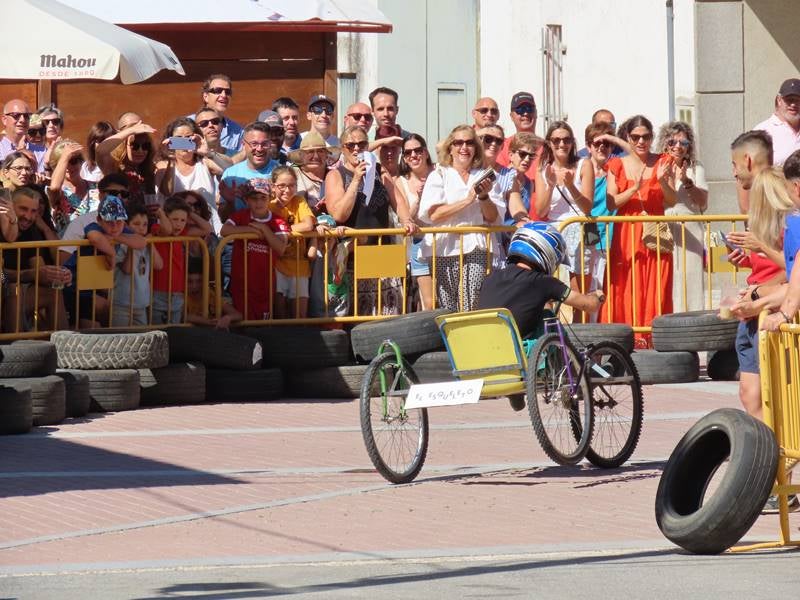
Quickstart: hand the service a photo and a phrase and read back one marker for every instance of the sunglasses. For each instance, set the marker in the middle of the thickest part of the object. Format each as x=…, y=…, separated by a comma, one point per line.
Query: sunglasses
x=36, y=132
x=557, y=141
x=525, y=109
x=123, y=194
x=55, y=122
x=358, y=116
x=75, y=160
x=682, y=143
x=352, y=146
x=458, y=143
x=206, y=122
x=601, y=144
x=485, y=109
x=409, y=151
x=16, y=115
x=318, y=110
x=636, y=138
x=219, y=91
x=488, y=140
x=523, y=155
x=136, y=146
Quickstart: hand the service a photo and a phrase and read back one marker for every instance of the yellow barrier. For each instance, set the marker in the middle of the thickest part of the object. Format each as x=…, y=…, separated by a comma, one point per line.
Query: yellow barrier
x=47, y=304
x=779, y=363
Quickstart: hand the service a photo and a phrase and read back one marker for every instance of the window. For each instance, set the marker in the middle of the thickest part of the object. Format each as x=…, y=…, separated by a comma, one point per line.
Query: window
x=553, y=52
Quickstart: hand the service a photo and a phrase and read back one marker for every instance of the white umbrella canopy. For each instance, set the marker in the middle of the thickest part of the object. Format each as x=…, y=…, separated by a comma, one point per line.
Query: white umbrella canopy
x=44, y=39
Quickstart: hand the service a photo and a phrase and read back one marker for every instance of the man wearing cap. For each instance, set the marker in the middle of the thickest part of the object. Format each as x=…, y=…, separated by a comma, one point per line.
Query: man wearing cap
x=217, y=93
x=289, y=112
x=258, y=165
x=16, y=120
x=276, y=132
x=784, y=124
x=523, y=114
x=320, y=114
x=485, y=113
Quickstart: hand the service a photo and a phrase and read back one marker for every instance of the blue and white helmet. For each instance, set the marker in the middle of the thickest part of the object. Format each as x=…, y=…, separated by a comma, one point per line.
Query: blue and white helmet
x=538, y=244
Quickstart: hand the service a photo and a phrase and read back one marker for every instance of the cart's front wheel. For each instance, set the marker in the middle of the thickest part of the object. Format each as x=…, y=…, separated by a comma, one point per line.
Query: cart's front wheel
x=396, y=438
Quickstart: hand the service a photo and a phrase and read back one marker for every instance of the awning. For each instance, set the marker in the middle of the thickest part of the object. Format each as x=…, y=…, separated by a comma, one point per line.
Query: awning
x=239, y=15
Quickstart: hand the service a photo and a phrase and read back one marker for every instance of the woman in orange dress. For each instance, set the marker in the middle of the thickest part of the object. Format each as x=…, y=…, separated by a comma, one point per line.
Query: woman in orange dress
x=640, y=286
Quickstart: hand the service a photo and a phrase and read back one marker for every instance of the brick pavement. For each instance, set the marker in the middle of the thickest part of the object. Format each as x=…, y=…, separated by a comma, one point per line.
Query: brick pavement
x=236, y=483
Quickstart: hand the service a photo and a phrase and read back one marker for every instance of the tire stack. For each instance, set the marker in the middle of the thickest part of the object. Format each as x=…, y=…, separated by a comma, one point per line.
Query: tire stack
x=111, y=362
x=677, y=338
x=221, y=366
x=31, y=394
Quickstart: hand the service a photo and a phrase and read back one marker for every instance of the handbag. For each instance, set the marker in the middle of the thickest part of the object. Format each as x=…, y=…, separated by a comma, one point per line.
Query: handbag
x=658, y=234
x=591, y=233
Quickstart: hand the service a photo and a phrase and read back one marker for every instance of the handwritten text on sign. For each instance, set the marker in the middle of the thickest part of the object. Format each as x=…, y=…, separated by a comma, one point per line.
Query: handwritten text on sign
x=447, y=393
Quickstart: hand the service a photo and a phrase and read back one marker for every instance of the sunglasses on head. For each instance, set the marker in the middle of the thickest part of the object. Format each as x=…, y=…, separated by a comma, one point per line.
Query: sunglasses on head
x=485, y=109
x=219, y=91
x=458, y=143
x=55, y=121
x=488, y=140
x=359, y=116
x=318, y=110
x=35, y=132
x=136, y=146
x=409, y=151
x=525, y=109
x=682, y=143
x=351, y=146
x=16, y=115
x=636, y=137
x=206, y=122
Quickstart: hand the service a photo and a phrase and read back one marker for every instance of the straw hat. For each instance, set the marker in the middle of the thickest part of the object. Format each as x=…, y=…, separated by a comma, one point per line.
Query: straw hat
x=313, y=141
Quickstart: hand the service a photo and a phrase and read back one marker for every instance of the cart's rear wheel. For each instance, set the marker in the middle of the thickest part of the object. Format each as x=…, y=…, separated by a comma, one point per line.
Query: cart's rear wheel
x=396, y=439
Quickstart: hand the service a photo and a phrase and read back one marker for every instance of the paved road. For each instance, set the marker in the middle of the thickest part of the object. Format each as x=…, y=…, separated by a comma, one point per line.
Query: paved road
x=151, y=500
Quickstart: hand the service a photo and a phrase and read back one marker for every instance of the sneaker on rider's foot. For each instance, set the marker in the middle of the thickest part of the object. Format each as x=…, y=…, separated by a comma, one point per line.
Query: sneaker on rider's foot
x=517, y=401
x=773, y=505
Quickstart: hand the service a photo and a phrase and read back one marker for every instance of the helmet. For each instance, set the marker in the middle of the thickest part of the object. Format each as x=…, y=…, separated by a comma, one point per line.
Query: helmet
x=538, y=244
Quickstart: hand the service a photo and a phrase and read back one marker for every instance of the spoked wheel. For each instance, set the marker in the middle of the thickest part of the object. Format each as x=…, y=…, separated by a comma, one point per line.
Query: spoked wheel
x=618, y=405
x=396, y=439
x=559, y=403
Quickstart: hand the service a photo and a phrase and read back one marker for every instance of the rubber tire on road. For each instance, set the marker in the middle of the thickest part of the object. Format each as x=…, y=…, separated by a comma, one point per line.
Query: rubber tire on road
x=723, y=365
x=16, y=409
x=433, y=367
x=414, y=333
x=292, y=347
x=114, y=390
x=214, y=348
x=29, y=359
x=175, y=384
x=78, y=399
x=666, y=367
x=694, y=331
x=713, y=524
x=327, y=382
x=145, y=350
x=223, y=385
x=581, y=334
x=48, y=398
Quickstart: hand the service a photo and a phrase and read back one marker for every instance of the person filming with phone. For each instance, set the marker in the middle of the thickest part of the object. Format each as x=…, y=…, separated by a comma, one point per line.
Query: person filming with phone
x=460, y=192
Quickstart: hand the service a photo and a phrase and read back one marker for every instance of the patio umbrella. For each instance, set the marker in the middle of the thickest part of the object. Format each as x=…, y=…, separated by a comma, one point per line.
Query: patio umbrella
x=44, y=39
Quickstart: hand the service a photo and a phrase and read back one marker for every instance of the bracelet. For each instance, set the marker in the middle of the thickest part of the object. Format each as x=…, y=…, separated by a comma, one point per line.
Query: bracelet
x=754, y=294
x=785, y=316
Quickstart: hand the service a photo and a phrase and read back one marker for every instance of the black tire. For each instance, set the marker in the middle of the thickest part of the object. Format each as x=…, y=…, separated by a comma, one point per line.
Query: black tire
x=414, y=333
x=562, y=423
x=289, y=347
x=710, y=525
x=173, y=385
x=433, y=367
x=618, y=406
x=387, y=435
x=89, y=351
x=666, y=367
x=243, y=386
x=583, y=334
x=29, y=359
x=16, y=409
x=327, y=382
x=114, y=390
x=694, y=331
x=214, y=348
x=78, y=398
x=723, y=365
x=48, y=398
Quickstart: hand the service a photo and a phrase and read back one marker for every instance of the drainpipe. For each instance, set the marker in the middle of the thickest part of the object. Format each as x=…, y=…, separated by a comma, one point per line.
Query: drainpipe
x=671, y=59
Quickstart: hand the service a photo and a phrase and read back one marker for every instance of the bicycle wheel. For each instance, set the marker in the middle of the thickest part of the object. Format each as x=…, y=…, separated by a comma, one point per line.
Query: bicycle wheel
x=618, y=405
x=559, y=404
x=396, y=439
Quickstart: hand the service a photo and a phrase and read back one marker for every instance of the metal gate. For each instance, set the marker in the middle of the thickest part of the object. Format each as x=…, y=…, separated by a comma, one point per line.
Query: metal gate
x=553, y=52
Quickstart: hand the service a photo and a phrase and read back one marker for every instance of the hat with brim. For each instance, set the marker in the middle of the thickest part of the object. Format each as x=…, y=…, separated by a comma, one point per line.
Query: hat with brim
x=313, y=141
x=112, y=209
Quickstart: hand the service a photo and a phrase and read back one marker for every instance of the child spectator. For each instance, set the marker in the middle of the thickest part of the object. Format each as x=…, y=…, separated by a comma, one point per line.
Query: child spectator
x=169, y=283
x=109, y=229
x=133, y=271
x=194, y=301
x=273, y=232
x=292, y=269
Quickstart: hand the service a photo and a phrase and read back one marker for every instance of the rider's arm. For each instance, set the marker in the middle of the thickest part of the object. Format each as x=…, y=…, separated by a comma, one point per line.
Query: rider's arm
x=586, y=302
